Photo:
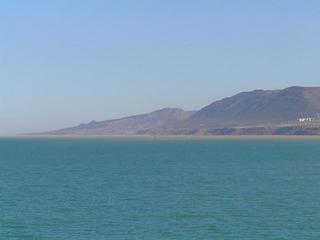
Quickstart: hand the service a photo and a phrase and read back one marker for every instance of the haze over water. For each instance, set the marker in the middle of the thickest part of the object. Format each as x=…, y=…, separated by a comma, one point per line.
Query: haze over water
x=154, y=190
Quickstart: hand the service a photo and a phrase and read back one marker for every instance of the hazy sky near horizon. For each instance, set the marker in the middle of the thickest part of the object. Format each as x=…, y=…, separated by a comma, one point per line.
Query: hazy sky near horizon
x=64, y=62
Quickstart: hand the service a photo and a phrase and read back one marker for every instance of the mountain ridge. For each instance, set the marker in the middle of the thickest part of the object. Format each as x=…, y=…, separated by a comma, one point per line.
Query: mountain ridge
x=255, y=112
x=261, y=106
x=131, y=125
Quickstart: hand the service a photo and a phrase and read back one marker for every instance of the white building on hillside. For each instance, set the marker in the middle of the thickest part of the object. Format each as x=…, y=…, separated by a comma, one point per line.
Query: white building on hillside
x=304, y=120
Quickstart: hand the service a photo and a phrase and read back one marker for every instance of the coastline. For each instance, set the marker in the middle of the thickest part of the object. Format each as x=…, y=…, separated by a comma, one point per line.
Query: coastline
x=167, y=137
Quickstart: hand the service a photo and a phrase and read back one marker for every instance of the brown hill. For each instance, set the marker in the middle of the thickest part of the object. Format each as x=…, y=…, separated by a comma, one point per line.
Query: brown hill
x=260, y=106
x=133, y=125
x=256, y=112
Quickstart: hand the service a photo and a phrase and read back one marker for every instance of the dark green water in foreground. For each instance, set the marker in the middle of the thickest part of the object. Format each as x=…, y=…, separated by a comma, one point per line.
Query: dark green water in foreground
x=153, y=190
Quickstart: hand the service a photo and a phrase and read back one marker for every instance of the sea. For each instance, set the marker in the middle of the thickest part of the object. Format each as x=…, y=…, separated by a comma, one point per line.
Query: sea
x=159, y=189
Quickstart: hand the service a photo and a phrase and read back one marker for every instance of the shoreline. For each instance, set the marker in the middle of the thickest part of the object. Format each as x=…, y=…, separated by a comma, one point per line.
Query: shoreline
x=168, y=137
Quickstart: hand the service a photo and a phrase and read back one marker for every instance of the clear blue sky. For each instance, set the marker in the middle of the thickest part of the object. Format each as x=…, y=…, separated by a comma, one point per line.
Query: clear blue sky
x=64, y=62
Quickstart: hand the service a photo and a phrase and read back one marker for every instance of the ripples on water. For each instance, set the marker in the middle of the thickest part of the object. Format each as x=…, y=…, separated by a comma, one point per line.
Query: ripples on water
x=154, y=190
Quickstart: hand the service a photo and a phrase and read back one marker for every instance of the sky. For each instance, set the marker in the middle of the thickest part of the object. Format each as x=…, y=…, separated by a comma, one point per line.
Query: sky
x=66, y=62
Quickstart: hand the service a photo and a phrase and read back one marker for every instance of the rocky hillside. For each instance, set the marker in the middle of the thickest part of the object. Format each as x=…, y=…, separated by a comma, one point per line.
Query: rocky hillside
x=260, y=106
x=134, y=125
x=259, y=112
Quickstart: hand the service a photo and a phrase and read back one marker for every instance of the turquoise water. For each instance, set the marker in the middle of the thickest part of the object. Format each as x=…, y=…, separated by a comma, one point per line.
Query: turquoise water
x=154, y=190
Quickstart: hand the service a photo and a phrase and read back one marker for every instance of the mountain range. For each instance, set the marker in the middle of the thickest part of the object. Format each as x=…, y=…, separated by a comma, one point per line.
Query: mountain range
x=258, y=112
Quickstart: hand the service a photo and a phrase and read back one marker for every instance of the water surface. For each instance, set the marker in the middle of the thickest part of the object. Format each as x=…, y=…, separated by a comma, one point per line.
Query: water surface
x=156, y=190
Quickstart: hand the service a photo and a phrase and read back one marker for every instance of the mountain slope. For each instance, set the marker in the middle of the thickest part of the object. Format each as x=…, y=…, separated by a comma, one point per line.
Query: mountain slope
x=134, y=125
x=248, y=113
x=259, y=106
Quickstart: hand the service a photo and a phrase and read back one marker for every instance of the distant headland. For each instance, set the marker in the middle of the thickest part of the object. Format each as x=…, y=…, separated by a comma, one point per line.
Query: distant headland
x=289, y=111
